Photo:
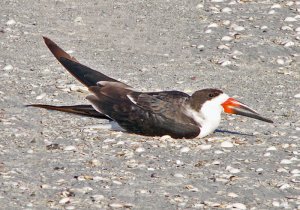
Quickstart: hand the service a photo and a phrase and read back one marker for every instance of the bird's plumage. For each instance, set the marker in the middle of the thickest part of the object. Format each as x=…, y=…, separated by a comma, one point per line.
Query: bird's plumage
x=171, y=113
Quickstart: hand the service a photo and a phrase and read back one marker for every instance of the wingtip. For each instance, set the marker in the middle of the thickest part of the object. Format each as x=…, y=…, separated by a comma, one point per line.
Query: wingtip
x=48, y=41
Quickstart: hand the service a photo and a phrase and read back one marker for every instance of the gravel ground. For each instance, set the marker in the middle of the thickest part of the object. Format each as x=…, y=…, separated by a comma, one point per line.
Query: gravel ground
x=248, y=48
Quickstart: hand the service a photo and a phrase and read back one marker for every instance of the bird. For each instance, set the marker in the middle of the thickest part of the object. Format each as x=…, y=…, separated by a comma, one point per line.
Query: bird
x=173, y=113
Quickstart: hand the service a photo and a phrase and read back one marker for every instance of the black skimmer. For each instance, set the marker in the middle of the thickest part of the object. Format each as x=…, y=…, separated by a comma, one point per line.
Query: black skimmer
x=172, y=113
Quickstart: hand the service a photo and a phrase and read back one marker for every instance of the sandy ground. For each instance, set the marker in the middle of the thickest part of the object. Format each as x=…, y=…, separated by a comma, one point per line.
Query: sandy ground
x=250, y=49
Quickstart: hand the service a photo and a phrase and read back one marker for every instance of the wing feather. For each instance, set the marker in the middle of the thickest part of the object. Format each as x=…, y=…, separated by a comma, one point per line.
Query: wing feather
x=134, y=118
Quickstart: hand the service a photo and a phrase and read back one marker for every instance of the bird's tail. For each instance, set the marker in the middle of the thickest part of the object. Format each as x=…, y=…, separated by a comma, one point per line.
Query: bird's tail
x=85, y=110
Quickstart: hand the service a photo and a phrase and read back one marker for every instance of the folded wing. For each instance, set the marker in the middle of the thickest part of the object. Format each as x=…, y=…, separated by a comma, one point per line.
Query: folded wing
x=145, y=115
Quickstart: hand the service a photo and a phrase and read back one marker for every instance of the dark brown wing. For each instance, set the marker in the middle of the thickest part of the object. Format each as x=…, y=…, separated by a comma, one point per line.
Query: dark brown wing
x=86, y=110
x=144, y=120
x=168, y=103
x=84, y=74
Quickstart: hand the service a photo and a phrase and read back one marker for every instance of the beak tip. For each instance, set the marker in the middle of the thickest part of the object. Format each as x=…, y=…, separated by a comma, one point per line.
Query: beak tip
x=233, y=106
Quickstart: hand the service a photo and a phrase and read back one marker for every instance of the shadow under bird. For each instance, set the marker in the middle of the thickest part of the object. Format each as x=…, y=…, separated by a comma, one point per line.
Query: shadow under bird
x=172, y=113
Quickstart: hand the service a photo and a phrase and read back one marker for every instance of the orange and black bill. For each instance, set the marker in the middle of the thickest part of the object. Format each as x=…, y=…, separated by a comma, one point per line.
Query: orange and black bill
x=233, y=106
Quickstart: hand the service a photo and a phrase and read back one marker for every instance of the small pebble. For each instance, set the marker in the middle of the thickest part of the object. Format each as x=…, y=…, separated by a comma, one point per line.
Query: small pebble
x=285, y=161
x=216, y=162
x=297, y=95
x=272, y=148
x=116, y=205
x=295, y=171
x=226, y=10
x=165, y=137
x=29, y=205
x=282, y=170
x=184, y=150
x=226, y=144
x=295, y=181
x=65, y=200
x=238, y=28
x=199, y=6
x=226, y=22
x=225, y=63
x=70, y=52
x=284, y=146
x=264, y=28
x=259, y=170
x=290, y=19
x=227, y=38
x=213, y=25
x=289, y=44
x=204, y=146
x=41, y=96
x=178, y=162
x=271, y=12
x=109, y=140
x=223, y=47
x=233, y=195
x=78, y=19
x=276, y=6
x=178, y=175
x=286, y=28
x=276, y=203
x=239, y=206
x=117, y=182
x=200, y=47
x=45, y=186
x=208, y=31
x=143, y=191
x=70, y=207
x=8, y=67
x=218, y=152
x=280, y=61
x=30, y=151
x=139, y=150
x=191, y=188
x=233, y=170
x=11, y=22
x=211, y=204
x=284, y=186
x=289, y=3
x=70, y=148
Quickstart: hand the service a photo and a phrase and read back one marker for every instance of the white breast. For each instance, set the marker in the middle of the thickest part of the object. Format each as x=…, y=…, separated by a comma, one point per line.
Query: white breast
x=209, y=117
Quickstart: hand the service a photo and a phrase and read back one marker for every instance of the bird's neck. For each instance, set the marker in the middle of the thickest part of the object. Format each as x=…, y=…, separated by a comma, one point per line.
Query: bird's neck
x=207, y=119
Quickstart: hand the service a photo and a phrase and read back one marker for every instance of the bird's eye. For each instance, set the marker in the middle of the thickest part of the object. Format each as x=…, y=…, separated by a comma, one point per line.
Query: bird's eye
x=210, y=95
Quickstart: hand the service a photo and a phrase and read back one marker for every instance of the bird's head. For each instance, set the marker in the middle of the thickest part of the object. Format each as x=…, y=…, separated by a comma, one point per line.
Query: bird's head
x=211, y=102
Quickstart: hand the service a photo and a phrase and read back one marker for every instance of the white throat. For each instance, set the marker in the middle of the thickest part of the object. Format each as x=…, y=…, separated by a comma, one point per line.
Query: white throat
x=209, y=117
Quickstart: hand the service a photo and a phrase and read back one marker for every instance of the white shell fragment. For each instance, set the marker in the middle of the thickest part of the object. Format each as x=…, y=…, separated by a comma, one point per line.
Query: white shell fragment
x=41, y=96
x=11, y=22
x=70, y=148
x=290, y=19
x=226, y=144
x=184, y=150
x=204, y=146
x=8, y=67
